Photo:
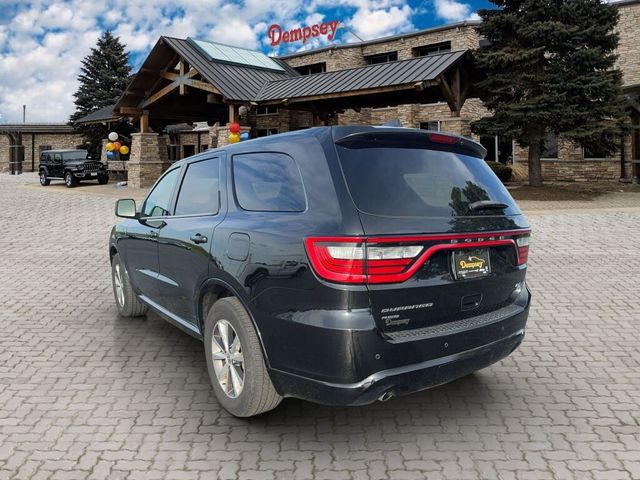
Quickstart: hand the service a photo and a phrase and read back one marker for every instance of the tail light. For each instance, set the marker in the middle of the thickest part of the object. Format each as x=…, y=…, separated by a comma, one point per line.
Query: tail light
x=358, y=260
x=522, y=243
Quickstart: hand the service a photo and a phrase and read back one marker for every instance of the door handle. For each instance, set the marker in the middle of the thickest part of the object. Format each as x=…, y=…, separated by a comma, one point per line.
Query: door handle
x=197, y=238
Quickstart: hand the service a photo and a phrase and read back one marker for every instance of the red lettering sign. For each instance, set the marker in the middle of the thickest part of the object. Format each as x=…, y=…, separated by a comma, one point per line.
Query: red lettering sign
x=277, y=35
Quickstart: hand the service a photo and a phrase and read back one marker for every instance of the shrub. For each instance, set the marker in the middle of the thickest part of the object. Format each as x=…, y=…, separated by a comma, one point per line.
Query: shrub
x=502, y=171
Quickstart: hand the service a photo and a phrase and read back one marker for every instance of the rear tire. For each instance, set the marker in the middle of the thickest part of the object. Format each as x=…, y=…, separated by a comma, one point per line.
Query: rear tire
x=255, y=393
x=126, y=299
x=70, y=180
x=44, y=180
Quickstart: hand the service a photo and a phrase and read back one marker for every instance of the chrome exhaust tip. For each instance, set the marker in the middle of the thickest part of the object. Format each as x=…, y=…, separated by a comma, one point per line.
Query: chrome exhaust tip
x=386, y=396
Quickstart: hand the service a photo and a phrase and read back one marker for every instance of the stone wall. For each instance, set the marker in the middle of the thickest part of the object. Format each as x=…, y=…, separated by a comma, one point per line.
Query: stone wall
x=571, y=166
x=629, y=47
x=56, y=141
x=461, y=37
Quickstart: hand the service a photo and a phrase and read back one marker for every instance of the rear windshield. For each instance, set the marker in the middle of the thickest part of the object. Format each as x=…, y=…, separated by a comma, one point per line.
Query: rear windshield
x=80, y=155
x=411, y=182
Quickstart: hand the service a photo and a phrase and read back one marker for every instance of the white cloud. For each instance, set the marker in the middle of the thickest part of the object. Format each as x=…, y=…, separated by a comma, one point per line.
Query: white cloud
x=42, y=46
x=453, y=11
x=368, y=24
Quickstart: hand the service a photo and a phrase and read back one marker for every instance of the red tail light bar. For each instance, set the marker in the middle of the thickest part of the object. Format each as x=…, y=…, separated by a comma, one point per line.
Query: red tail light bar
x=358, y=260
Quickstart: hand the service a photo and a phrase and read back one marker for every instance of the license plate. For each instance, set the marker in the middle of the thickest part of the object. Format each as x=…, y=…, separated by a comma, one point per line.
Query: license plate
x=471, y=263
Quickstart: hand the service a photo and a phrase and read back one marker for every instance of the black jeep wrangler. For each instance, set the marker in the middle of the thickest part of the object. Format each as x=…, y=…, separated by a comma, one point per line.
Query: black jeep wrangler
x=72, y=166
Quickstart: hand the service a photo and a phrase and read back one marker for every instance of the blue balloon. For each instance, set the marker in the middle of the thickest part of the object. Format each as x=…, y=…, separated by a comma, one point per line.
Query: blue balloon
x=244, y=136
x=111, y=155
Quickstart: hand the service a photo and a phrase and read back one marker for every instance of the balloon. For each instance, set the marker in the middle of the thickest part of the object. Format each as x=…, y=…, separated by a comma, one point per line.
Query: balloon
x=244, y=136
x=234, y=128
x=234, y=138
x=124, y=150
x=113, y=136
x=110, y=147
x=111, y=155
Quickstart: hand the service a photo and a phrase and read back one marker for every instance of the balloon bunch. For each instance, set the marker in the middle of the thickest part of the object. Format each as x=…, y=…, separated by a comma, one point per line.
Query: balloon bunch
x=114, y=147
x=234, y=133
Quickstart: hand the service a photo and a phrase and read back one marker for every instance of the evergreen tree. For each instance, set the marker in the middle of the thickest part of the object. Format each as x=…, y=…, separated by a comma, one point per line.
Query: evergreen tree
x=105, y=74
x=550, y=68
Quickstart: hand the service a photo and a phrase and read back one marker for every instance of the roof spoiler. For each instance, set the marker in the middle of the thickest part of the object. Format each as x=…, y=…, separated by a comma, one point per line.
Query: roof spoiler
x=415, y=139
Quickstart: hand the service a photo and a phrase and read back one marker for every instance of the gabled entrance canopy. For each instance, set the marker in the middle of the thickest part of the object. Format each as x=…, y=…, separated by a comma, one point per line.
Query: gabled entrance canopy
x=192, y=80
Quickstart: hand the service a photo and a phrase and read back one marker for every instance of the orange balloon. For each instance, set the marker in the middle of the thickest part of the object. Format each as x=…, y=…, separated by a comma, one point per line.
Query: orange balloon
x=116, y=146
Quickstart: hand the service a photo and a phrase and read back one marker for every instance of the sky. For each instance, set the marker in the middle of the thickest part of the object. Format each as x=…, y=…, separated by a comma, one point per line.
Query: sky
x=42, y=42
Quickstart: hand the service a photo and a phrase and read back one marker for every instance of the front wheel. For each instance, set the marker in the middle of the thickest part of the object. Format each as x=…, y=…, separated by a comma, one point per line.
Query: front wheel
x=103, y=179
x=235, y=362
x=126, y=299
x=44, y=180
x=70, y=180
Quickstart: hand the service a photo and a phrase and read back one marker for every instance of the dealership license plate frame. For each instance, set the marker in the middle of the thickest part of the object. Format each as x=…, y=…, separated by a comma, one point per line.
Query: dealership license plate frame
x=477, y=263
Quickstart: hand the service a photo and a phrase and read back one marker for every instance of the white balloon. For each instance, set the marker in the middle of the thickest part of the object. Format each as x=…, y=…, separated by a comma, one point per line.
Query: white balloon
x=113, y=136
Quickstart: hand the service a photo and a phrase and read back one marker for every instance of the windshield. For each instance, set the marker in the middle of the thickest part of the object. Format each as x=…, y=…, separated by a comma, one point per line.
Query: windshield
x=411, y=182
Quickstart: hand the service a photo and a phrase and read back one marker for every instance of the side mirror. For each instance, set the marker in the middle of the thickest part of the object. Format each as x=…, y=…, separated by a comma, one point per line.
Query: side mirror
x=126, y=208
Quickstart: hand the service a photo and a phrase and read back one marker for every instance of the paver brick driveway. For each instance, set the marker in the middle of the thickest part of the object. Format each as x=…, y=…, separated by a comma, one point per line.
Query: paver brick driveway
x=86, y=394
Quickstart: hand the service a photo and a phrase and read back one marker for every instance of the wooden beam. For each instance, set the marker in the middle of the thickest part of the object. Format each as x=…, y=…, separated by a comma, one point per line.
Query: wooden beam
x=144, y=122
x=213, y=98
x=192, y=72
x=449, y=96
x=233, y=113
x=159, y=94
x=339, y=95
x=130, y=111
x=169, y=76
x=200, y=85
x=181, y=66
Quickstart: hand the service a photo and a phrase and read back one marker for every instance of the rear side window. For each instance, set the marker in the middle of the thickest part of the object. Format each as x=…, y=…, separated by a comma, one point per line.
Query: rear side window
x=199, y=189
x=268, y=182
x=414, y=182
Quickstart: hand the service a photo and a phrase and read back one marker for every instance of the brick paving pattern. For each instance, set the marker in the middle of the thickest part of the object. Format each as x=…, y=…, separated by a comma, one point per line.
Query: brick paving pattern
x=86, y=394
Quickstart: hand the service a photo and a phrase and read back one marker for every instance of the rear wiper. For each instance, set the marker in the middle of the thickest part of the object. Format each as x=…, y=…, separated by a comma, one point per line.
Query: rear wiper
x=487, y=205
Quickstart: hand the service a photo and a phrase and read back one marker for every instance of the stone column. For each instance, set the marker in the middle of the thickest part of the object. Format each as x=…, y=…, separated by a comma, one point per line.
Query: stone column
x=213, y=136
x=223, y=134
x=457, y=125
x=149, y=158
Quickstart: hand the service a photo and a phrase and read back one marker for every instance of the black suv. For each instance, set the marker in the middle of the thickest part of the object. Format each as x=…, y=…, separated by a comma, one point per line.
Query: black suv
x=336, y=264
x=72, y=166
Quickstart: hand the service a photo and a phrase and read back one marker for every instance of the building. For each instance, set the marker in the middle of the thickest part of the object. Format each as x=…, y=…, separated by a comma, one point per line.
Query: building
x=188, y=91
x=25, y=141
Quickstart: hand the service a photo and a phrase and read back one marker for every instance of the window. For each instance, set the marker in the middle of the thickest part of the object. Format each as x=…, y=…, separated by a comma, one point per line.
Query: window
x=57, y=157
x=265, y=132
x=381, y=58
x=268, y=182
x=157, y=203
x=188, y=150
x=550, y=146
x=173, y=151
x=199, y=189
x=311, y=69
x=266, y=110
x=593, y=152
x=433, y=125
x=432, y=48
x=386, y=180
x=44, y=148
x=204, y=147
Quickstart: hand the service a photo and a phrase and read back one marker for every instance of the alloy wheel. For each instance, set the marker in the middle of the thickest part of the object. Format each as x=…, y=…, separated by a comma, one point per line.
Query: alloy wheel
x=228, y=359
x=117, y=281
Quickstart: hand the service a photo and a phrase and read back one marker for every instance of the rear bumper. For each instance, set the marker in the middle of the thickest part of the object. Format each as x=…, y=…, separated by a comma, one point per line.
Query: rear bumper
x=415, y=365
x=401, y=380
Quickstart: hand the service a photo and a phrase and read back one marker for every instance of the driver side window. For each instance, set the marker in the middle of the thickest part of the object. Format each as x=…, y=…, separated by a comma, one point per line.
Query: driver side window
x=57, y=157
x=157, y=203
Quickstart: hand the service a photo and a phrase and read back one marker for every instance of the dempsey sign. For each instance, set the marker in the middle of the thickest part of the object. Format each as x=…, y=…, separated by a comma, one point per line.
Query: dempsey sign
x=277, y=35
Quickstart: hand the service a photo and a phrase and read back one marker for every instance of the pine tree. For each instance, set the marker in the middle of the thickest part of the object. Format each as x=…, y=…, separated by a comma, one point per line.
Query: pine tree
x=550, y=68
x=105, y=74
